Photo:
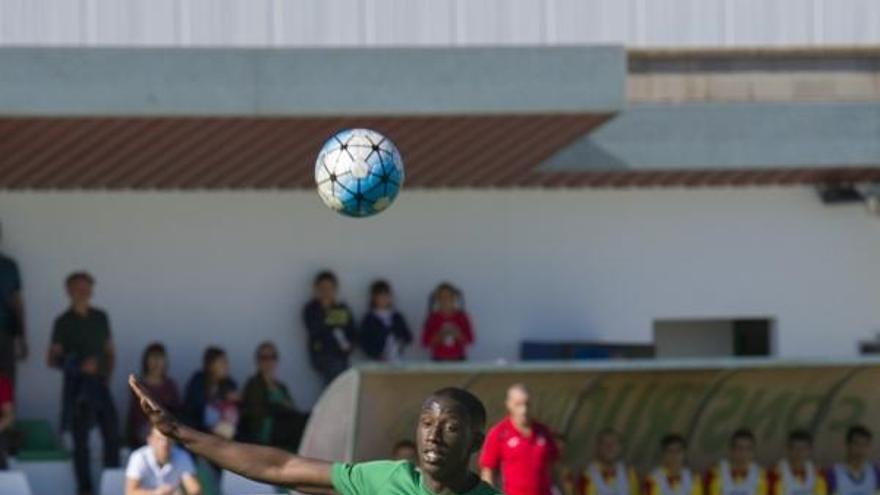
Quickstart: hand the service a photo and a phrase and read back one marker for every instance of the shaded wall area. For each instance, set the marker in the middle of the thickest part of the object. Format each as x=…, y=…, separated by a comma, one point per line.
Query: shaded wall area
x=644, y=400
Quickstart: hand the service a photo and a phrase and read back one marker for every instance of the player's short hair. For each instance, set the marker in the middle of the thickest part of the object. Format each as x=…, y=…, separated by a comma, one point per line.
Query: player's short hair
x=472, y=405
x=608, y=432
x=800, y=435
x=380, y=287
x=79, y=276
x=211, y=354
x=672, y=439
x=326, y=276
x=856, y=431
x=742, y=434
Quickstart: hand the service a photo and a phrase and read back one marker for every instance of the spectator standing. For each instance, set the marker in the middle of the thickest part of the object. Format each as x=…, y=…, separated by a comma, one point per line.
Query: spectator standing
x=447, y=331
x=857, y=475
x=154, y=377
x=384, y=333
x=160, y=468
x=82, y=348
x=330, y=327
x=7, y=417
x=609, y=474
x=268, y=414
x=673, y=476
x=13, y=344
x=739, y=473
x=523, y=449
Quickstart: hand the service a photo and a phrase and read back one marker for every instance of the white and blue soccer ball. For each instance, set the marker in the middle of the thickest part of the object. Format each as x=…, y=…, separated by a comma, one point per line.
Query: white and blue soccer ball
x=359, y=172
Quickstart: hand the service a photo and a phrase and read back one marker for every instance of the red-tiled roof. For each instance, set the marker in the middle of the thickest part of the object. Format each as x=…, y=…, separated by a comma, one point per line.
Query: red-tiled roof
x=270, y=153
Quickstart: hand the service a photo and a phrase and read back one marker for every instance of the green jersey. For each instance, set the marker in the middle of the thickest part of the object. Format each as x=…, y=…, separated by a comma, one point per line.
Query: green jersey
x=388, y=478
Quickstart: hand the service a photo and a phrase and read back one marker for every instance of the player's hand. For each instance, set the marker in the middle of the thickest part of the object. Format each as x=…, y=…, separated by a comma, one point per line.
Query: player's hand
x=161, y=419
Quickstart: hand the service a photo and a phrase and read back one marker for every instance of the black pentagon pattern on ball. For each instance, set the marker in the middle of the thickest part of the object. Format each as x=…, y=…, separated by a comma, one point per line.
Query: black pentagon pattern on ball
x=353, y=194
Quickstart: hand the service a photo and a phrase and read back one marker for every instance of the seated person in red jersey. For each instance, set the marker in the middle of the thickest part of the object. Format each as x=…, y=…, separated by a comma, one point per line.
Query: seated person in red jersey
x=609, y=474
x=447, y=331
x=673, y=476
x=521, y=448
x=796, y=474
x=7, y=416
x=857, y=475
x=738, y=474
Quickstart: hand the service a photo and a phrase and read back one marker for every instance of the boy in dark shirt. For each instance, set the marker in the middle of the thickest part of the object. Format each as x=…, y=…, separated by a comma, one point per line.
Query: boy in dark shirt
x=330, y=327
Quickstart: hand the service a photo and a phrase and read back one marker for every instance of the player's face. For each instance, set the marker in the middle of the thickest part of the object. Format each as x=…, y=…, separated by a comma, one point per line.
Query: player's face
x=673, y=456
x=742, y=451
x=859, y=449
x=799, y=452
x=267, y=360
x=156, y=363
x=160, y=445
x=382, y=300
x=220, y=368
x=518, y=406
x=444, y=439
x=325, y=291
x=609, y=448
x=446, y=300
x=80, y=291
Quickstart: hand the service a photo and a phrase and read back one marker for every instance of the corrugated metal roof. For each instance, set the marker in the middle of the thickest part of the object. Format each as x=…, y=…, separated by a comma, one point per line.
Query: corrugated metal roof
x=272, y=153
x=263, y=153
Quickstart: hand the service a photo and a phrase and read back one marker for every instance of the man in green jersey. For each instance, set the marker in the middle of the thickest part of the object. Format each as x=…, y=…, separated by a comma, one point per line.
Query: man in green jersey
x=449, y=431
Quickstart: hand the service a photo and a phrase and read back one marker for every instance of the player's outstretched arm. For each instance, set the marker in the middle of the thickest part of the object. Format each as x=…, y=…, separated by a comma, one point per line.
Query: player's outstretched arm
x=260, y=463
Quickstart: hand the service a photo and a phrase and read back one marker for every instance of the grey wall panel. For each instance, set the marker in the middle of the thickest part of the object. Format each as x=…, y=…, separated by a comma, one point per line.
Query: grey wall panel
x=412, y=22
x=684, y=22
x=650, y=23
x=138, y=23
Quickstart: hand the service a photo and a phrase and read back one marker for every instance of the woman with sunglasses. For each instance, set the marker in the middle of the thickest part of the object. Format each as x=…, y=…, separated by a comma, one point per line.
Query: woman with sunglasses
x=269, y=416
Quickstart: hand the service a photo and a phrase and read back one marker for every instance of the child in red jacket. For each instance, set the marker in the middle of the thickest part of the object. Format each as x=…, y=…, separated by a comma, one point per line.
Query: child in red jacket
x=447, y=330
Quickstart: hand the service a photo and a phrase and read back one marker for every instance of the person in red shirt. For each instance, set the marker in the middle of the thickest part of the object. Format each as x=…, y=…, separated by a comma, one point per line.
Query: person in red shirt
x=447, y=331
x=521, y=448
x=7, y=416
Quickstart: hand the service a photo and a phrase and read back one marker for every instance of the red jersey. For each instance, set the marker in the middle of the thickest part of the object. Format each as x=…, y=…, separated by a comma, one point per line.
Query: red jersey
x=440, y=335
x=6, y=395
x=525, y=461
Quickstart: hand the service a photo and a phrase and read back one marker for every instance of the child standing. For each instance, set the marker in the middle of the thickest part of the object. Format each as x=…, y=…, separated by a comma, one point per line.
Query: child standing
x=384, y=332
x=447, y=332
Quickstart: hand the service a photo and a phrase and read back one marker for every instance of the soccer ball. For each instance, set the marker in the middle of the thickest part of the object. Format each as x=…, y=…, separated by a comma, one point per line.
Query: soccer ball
x=358, y=172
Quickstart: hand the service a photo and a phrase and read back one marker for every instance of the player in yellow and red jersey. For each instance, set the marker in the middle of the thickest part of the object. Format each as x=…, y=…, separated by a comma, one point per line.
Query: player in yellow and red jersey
x=673, y=476
x=609, y=474
x=739, y=474
x=796, y=474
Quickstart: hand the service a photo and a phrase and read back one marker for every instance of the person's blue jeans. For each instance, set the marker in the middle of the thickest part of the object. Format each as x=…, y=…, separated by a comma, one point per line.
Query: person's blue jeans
x=93, y=406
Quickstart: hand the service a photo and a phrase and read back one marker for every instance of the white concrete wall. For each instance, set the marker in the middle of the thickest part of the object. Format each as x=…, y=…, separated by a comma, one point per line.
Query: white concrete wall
x=439, y=22
x=233, y=268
